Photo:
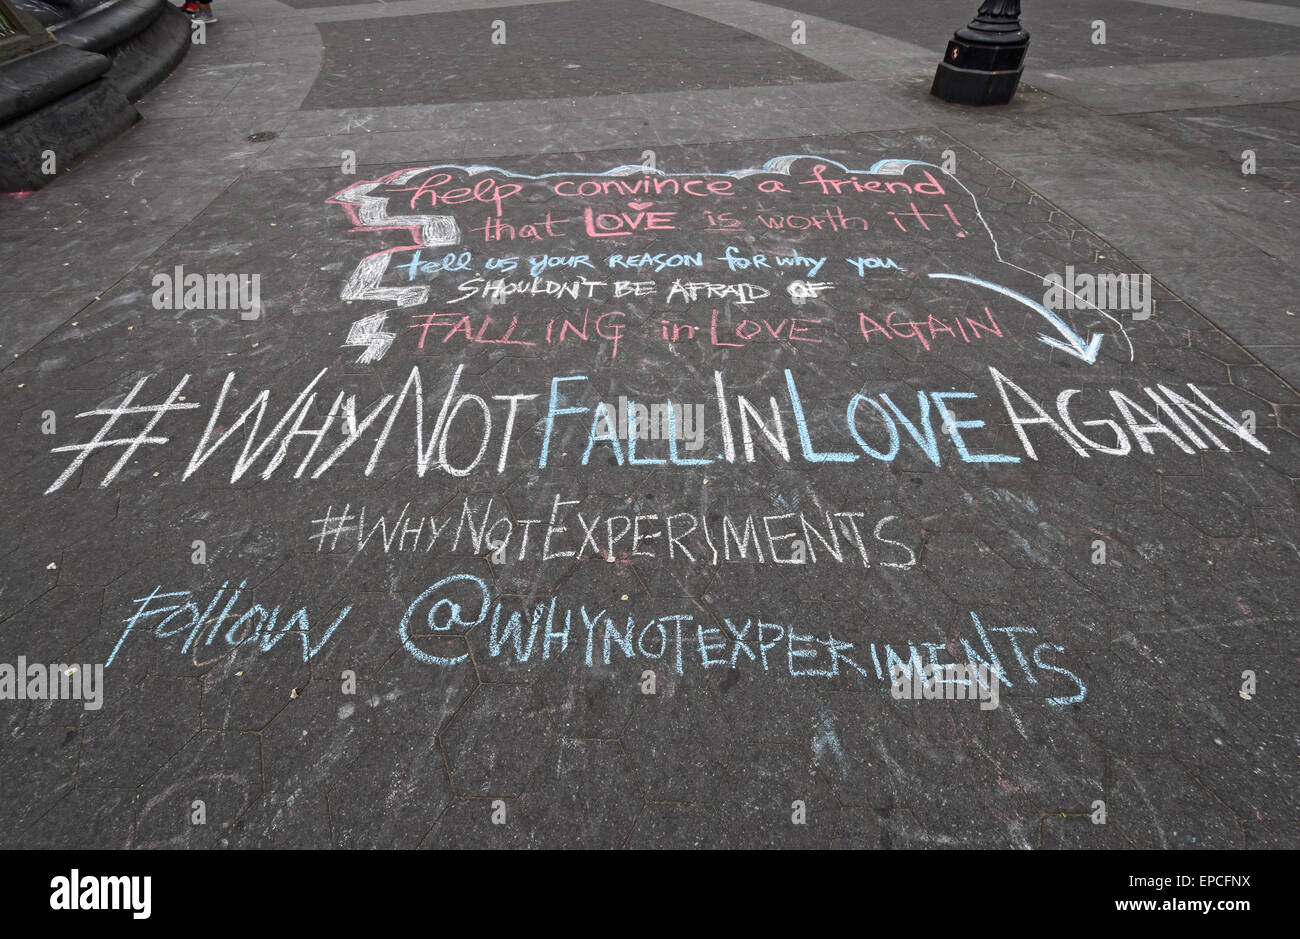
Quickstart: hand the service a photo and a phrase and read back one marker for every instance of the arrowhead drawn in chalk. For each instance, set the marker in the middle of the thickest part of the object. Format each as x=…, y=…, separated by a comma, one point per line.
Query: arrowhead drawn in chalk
x=368, y=333
x=1076, y=346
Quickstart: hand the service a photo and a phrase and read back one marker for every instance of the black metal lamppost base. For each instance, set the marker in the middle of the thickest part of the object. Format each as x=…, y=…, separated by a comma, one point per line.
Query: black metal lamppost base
x=984, y=59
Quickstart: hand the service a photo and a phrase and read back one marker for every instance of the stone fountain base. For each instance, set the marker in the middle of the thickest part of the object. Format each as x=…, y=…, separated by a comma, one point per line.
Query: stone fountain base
x=62, y=102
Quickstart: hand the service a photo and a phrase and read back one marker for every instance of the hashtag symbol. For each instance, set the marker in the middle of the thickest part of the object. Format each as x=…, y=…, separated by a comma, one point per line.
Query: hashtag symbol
x=100, y=441
x=332, y=526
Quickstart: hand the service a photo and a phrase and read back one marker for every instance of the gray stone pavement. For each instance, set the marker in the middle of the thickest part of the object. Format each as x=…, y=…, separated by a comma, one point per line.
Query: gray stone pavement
x=1119, y=559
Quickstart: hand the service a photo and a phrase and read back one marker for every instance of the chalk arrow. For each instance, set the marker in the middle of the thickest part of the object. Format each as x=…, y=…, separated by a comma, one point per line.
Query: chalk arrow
x=368, y=333
x=1073, y=344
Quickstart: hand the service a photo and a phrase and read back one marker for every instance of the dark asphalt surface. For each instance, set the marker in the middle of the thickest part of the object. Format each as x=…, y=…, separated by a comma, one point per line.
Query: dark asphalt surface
x=375, y=562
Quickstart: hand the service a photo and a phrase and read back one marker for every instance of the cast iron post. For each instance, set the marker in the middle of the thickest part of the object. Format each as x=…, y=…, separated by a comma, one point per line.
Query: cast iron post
x=985, y=58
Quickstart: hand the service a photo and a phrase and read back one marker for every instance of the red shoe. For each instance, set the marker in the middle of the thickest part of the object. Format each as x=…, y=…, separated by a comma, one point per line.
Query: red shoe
x=191, y=6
